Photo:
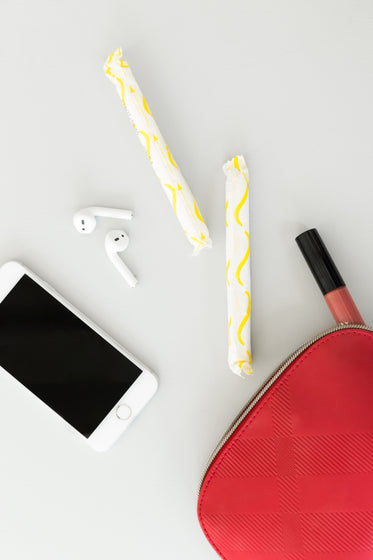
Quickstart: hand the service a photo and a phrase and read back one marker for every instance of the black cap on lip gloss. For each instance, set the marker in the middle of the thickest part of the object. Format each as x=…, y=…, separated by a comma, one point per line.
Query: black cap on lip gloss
x=319, y=261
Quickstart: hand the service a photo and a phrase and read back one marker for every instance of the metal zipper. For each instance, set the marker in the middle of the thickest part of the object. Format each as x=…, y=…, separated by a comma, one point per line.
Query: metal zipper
x=250, y=405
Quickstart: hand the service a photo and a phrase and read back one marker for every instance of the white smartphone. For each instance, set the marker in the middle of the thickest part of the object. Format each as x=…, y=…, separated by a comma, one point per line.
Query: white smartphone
x=66, y=361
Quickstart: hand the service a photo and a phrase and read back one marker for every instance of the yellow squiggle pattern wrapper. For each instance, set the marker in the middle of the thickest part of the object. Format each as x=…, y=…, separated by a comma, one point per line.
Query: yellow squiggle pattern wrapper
x=159, y=155
x=238, y=265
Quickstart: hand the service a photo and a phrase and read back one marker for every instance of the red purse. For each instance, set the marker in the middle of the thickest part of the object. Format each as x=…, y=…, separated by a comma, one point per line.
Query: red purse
x=292, y=479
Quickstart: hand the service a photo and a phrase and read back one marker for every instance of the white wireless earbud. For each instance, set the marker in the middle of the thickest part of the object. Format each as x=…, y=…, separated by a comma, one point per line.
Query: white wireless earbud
x=117, y=241
x=85, y=221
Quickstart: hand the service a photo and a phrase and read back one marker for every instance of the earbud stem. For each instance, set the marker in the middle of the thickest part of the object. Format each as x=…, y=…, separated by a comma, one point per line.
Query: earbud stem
x=112, y=213
x=123, y=270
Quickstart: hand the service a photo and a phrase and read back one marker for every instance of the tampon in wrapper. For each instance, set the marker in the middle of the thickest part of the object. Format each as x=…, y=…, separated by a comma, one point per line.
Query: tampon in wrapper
x=238, y=266
x=164, y=165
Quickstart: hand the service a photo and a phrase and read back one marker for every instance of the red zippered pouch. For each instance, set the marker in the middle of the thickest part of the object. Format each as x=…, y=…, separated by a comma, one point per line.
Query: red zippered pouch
x=292, y=479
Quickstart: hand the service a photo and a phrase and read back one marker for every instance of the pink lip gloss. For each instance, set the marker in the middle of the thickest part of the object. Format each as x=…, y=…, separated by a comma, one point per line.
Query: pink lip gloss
x=328, y=278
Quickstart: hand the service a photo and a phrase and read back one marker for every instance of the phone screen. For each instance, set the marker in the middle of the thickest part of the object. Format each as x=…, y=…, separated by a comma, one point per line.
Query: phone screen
x=61, y=359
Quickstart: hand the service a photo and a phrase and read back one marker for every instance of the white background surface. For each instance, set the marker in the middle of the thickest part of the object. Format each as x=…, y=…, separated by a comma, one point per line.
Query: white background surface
x=289, y=85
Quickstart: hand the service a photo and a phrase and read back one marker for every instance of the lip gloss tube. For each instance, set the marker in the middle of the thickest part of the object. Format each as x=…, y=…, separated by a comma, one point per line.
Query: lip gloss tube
x=328, y=278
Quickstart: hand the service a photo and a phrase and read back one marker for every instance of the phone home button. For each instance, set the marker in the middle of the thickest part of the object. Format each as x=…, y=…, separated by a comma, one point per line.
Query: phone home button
x=123, y=412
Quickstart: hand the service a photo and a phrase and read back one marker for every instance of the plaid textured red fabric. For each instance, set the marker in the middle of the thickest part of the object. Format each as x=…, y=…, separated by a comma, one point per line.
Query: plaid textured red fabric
x=295, y=480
